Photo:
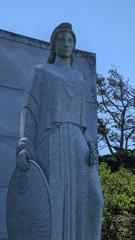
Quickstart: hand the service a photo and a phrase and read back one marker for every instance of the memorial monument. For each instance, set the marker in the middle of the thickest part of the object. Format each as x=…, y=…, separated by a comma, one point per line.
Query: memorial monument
x=54, y=133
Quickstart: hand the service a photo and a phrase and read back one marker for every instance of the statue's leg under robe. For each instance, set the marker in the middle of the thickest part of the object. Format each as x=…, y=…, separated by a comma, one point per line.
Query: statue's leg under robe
x=90, y=200
x=77, y=200
x=93, y=207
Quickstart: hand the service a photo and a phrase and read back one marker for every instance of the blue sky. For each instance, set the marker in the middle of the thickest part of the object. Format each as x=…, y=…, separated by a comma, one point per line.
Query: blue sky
x=106, y=27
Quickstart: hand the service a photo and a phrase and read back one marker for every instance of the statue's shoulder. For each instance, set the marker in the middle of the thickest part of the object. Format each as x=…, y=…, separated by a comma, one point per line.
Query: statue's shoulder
x=45, y=67
x=39, y=67
x=35, y=77
x=79, y=75
x=38, y=72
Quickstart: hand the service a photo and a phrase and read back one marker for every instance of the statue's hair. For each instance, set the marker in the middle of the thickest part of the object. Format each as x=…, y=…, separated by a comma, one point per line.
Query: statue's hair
x=63, y=27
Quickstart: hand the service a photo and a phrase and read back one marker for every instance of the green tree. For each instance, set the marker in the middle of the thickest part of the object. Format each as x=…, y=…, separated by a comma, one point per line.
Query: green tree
x=116, y=112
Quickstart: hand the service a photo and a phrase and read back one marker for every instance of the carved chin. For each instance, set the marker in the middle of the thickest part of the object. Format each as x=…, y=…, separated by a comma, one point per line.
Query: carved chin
x=65, y=55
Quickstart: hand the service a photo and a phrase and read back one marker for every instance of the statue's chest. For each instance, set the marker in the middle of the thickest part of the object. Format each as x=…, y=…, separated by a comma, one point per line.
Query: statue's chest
x=60, y=86
x=68, y=88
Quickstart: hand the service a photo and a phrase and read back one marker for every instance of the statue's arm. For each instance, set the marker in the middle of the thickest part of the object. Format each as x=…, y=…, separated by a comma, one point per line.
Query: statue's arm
x=30, y=114
x=92, y=148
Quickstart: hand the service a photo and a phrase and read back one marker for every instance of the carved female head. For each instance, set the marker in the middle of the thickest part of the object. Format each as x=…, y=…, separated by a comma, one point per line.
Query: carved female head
x=63, y=41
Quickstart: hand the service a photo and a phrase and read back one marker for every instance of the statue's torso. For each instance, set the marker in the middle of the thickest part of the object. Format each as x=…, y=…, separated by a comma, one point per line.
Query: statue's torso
x=62, y=97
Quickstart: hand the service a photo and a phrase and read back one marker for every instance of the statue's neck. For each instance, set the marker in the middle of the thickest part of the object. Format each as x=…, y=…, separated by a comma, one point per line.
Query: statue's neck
x=63, y=63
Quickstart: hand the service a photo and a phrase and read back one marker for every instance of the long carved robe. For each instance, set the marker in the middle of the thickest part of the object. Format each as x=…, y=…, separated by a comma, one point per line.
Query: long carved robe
x=54, y=130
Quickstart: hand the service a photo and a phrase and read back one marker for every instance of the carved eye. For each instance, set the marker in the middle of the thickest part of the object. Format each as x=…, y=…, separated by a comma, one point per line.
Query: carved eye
x=61, y=40
x=64, y=39
x=70, y=40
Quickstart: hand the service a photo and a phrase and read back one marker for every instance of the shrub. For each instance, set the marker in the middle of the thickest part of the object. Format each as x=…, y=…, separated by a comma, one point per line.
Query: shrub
x=119, y=210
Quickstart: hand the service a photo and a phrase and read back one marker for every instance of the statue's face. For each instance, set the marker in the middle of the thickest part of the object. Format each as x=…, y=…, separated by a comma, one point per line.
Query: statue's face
x=64, y=45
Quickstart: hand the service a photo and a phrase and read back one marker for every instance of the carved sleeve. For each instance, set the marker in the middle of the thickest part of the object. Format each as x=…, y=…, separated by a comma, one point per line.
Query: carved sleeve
x=92, y=148
x=87, y=136
x=30, y=113
x=83, y=109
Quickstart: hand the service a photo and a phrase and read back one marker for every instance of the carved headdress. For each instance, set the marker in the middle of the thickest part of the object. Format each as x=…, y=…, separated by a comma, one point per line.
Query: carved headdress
x=63, y=27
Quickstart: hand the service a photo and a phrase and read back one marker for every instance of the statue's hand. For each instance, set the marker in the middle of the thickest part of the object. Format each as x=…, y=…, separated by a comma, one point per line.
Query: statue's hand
x=22, y=160
x=93, y=153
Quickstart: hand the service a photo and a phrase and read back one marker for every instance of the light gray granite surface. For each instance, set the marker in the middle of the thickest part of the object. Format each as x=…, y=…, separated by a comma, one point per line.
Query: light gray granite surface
x=17, y=56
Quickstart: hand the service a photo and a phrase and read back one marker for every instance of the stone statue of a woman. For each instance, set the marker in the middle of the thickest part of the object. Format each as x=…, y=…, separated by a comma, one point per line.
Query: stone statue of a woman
x=54, y=134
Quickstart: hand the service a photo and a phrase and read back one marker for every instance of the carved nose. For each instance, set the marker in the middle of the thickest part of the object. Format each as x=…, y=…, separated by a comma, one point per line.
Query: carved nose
x=66, y=47
x=65, y=44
